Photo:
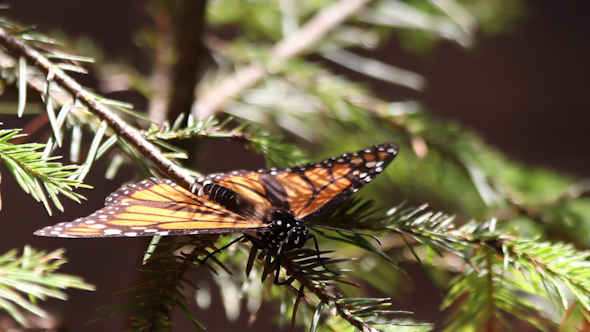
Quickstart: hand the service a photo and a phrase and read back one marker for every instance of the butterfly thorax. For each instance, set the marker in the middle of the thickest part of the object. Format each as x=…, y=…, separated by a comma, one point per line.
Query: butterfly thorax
x=285, y=232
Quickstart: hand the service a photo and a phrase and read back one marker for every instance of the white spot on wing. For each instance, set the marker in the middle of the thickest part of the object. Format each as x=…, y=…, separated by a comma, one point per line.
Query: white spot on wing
x=97, y=226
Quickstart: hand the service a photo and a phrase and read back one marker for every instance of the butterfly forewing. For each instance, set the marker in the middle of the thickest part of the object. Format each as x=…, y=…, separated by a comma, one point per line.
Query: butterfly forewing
x=306, y=191
x=154, y=207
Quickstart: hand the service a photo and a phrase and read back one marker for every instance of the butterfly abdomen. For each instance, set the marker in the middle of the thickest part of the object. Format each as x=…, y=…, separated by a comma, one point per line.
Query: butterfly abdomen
x=230, y=199
x=223, y=196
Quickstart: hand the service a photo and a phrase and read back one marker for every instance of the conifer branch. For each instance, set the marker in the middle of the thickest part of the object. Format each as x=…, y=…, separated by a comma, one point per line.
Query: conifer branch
x=345, y=307
x=275, y=151
x=131, y=135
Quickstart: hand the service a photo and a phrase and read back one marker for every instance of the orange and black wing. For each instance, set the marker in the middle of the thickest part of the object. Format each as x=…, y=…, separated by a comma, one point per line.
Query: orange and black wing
x=154, y=207
x=306, y=191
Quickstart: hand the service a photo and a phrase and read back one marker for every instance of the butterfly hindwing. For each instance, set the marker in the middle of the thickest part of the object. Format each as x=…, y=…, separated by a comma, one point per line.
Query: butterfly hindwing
x=306, y=191
x=154, y=207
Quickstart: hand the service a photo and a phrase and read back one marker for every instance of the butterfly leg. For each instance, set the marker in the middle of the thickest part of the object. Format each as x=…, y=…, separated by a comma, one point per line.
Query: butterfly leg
x=278, y=261
x=287, y=282
x=317, y=249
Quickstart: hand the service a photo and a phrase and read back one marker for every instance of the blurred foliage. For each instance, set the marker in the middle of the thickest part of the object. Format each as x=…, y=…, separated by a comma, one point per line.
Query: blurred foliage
x=31, y=277
x=510, y=249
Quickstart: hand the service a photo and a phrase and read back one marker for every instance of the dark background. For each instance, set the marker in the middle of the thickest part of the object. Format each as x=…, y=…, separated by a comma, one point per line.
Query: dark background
x=524, y=91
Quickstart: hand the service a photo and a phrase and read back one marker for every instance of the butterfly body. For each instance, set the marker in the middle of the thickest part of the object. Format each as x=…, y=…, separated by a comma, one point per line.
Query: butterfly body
x=283, y=227
x=273, y=205
x=286, y=231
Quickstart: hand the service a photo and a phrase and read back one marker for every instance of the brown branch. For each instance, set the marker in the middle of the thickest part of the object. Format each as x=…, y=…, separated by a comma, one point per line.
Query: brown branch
x=298, y=42
x=125, y=131
x=189, y=51
x=159, y=78
x=325, y=296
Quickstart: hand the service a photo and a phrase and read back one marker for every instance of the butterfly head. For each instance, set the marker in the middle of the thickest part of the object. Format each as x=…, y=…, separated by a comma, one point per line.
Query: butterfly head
x=285, y=232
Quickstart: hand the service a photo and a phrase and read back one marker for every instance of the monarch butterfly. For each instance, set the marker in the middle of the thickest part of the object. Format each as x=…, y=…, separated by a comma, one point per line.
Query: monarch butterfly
x=271, y=205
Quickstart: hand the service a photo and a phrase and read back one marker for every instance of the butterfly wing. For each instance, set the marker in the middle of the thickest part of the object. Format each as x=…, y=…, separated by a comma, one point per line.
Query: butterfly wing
x=154, y=207
x=306, y=191
x=225, y=203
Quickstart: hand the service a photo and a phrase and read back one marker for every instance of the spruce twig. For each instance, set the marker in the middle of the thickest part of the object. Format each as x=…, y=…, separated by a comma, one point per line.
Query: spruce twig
x=37, y=174
x=128, y=133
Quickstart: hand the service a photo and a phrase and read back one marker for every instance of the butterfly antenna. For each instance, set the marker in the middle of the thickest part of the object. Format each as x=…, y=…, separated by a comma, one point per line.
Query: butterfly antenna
x=222, y=248
x=347, y=231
